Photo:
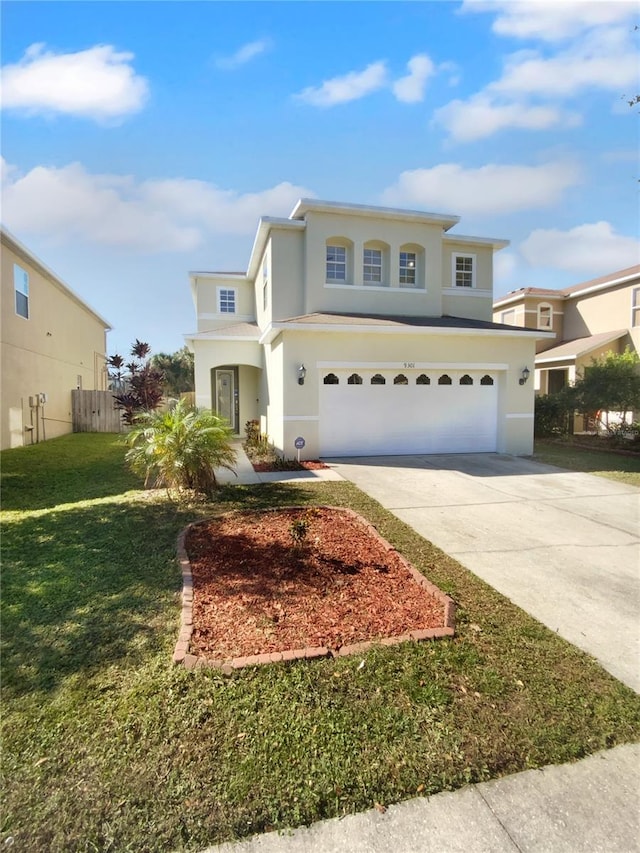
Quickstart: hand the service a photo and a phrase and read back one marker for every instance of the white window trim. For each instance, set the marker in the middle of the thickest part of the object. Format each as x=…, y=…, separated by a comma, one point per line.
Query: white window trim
x=234, y=290
x=327, y=262
x=635, y=307
x=539, y=314
x=474, y=270
x=26, y=295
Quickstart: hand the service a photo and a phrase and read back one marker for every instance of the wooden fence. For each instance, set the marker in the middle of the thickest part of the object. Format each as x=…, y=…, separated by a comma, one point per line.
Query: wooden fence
x=94, y=411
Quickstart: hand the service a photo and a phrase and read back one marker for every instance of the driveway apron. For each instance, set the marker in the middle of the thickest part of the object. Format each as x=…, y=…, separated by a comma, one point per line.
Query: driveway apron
x=564, y=546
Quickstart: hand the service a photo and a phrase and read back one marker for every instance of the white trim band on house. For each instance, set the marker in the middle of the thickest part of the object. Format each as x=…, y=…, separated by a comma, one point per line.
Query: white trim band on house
x=380, y=288
x=274, y=329
x=518, y=415
x=301, y=418
x=408, y=365
x=466, y=291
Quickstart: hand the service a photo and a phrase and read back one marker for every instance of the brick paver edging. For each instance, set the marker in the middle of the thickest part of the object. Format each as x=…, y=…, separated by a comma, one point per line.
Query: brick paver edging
x=182, y=656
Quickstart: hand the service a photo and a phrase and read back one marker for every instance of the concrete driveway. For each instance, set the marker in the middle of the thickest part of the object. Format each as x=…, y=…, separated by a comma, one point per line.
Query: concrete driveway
x=562, y=545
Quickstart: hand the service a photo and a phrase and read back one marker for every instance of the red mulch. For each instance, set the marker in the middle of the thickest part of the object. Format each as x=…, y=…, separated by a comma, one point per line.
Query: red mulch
x=290, y=465
x=255, y=592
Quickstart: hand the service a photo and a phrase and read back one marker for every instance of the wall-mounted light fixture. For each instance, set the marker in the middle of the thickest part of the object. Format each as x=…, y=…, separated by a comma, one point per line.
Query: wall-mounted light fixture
x=525, y=375
x=302, y=372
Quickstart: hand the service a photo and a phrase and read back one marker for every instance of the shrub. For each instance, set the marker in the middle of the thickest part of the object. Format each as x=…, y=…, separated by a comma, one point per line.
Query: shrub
x=180, y=449
x=553, y=414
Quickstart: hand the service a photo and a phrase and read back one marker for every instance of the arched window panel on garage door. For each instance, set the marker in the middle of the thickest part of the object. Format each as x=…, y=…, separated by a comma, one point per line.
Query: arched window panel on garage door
x=378, y=379
x=400, y=379
x=423, y=379
x=444, y=380
x=331, y=379
x=354, y=379
x=466, y=380
x=486, y=380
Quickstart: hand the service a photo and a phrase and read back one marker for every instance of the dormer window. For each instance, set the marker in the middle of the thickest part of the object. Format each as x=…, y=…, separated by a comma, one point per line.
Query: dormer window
x=545, y=316
x=227, y=300
x=336, y=263
x=464, y=270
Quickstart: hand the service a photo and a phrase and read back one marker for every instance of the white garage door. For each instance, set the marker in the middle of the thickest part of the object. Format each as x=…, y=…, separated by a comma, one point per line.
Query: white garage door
x=366, y=412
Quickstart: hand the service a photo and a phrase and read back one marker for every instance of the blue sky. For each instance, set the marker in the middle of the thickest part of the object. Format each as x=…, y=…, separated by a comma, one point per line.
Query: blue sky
x=141, y=140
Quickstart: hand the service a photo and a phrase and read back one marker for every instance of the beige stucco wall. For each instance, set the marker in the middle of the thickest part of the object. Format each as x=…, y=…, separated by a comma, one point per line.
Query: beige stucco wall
x=389, y=298
x=220, y=353
x=206, y=298
x=600, y=312
x=60, y=341
x=287, y=270
x=301, y=403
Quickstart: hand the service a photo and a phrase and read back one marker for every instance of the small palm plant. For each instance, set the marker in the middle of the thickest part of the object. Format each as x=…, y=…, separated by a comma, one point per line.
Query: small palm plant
x=181, y=448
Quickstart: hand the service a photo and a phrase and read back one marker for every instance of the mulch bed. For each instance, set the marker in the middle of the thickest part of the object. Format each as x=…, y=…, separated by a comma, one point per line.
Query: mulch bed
x=255, y=591
x=289, y=465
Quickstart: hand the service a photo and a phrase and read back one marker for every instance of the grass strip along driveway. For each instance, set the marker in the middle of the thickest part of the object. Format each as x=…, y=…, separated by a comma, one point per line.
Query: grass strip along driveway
x=107, y=746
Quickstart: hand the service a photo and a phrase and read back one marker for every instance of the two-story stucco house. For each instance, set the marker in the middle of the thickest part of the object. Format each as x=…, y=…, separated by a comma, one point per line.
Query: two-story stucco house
x=588, y=320
x=51, y=342
x=364, y=330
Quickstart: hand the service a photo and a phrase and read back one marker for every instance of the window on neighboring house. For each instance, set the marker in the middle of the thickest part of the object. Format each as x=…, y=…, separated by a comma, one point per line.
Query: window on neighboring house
x=372, y=266
x=508, y=317
x=354, y=379
x=635, y=306
x=265, y=283
x=408, y=269
x=464, y=271
x=545, y=316
x=21, y=286
x=226, y=300
x=336, y=263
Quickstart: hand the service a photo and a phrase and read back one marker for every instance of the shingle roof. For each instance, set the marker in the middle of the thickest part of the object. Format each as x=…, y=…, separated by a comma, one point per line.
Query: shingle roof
x=579, y=346
x=446, y=322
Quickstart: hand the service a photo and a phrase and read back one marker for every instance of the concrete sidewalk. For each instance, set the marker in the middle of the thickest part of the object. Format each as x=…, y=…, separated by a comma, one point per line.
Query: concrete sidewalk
x=591, y=806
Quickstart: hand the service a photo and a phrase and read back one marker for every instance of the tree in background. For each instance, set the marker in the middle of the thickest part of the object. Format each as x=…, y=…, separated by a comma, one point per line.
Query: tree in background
x=180, y=449
x=178, y=370
x=140, y=388
x=610, y=384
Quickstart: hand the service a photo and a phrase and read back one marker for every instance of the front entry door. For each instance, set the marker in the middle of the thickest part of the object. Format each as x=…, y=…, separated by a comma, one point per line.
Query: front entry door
x=226, y=395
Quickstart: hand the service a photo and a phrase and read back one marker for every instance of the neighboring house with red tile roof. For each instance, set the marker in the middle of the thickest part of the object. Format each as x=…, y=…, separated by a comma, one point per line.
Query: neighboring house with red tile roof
x=364, y=330
x=589, y=319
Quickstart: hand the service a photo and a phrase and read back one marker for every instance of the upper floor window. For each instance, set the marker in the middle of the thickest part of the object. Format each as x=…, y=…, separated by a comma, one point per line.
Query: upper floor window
x=635, y=306
x=226, y=300
x=372, y=266
x=408, y=269
x=336, y=263
x=21, y=286
x=464, y=270
x=545, y=316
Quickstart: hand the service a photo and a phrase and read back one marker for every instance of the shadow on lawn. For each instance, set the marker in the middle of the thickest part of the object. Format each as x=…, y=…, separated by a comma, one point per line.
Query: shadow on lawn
x=89, y=587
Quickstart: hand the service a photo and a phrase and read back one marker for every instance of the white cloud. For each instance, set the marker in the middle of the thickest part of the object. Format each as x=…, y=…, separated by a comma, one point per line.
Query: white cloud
x=552, y=20
x=491, y=189
x=410, y=89
x=482, y=116
x=244, y=54
x=599, y=54
x=593, y=248
x=69, y=204
x=97, y=83
x=350, y=87
x=605, y=59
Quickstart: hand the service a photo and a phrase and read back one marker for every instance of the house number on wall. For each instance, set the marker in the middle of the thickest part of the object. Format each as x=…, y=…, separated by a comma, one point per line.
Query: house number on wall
x=409, y=363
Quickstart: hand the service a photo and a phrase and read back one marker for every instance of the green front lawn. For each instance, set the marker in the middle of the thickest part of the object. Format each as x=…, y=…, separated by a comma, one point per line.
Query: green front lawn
x=565, y=454
x=107, y=746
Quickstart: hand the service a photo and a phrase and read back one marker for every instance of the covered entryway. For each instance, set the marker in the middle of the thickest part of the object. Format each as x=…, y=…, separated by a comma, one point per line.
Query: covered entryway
x=395, y=412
